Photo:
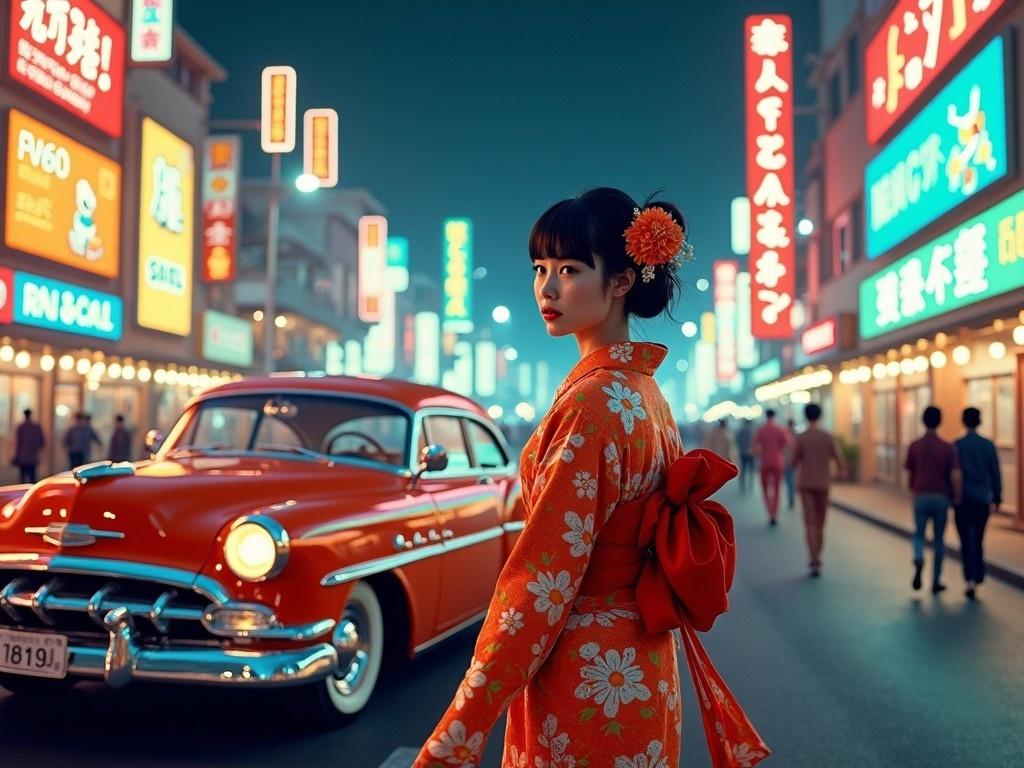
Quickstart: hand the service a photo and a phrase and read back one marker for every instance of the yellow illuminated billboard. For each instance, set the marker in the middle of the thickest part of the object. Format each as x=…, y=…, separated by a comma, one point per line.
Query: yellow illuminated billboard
x=166, y=209
x=63, y=199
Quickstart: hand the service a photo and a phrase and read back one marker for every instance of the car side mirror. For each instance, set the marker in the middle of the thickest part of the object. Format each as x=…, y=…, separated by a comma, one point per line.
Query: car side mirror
x=154, y=439
x=433, y=458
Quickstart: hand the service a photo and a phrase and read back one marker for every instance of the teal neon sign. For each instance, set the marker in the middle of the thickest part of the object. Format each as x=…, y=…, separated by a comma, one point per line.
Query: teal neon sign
x=953, y=149
x=984, y=257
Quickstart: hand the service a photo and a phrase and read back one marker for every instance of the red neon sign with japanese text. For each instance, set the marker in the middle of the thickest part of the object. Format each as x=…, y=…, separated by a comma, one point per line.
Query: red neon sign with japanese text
x=770, y=179
x=73, y=55
x=724, y=273
x=820, y=336
x=916, y=42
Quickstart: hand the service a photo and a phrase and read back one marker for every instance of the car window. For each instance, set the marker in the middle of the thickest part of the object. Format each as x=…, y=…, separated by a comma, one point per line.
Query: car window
x=339, y=426
x=225, y=425
x=377, y=438
x=487, y=453
x=447, y=432
x=275, y=431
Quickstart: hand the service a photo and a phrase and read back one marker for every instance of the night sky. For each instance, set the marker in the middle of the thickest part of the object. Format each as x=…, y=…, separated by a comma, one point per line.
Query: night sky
x=494, y=110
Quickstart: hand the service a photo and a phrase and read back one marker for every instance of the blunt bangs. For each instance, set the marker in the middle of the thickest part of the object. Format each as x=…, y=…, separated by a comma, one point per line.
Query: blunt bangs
x=563, y=232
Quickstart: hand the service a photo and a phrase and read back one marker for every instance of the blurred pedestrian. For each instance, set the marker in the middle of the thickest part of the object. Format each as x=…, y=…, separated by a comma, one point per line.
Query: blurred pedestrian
x=28, y=442
x=814, y=450
x=789, y=472
x=770, y=444
x=78, y=440
x=981, y=494
x=120, y=441
x=935, y=482
x=745, y=448
x=720, y=441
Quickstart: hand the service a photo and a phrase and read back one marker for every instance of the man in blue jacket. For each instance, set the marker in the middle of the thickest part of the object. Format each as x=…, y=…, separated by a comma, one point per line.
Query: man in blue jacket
x=982, y=494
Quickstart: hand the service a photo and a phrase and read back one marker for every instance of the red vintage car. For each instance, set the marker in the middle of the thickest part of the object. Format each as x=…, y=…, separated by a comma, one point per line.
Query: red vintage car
x=290, y=531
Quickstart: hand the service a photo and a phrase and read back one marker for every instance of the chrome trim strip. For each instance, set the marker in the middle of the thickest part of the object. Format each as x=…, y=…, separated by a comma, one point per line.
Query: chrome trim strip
x=379, y=565
x=389, y=562
x=362, y=521
x=513, y=526
x=175, y=577
x=212, y=666
x=12, y=588
x=472, y=539
x=449, y=632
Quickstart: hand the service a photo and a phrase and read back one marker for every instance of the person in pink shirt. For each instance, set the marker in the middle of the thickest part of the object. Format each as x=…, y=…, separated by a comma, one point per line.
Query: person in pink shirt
x=770, y=445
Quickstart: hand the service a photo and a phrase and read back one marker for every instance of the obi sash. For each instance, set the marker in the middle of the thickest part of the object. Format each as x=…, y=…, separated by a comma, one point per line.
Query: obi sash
x=677, y=549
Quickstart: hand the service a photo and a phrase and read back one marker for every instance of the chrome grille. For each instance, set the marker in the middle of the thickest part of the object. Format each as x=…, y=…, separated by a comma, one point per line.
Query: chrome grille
x=75, y=604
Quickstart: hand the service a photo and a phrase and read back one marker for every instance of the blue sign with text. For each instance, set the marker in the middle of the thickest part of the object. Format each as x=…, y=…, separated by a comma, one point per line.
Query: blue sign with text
x=47, y=303
x=955, y=147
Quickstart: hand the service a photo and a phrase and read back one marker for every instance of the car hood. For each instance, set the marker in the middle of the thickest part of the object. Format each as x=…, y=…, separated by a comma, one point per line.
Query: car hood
x=170, y=512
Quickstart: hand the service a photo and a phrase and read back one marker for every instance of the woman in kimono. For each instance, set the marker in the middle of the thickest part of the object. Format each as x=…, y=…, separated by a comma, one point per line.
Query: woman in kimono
x=576, y=643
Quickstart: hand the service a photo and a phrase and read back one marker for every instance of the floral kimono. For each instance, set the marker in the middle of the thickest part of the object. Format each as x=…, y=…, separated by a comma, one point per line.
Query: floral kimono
x=576, y=642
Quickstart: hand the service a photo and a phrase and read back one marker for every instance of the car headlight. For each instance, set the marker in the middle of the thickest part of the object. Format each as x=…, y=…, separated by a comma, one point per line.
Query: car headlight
x=256, y=547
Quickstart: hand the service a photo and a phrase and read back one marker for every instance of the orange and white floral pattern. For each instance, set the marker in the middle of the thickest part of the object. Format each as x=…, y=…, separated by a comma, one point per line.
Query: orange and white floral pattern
x=583, y=682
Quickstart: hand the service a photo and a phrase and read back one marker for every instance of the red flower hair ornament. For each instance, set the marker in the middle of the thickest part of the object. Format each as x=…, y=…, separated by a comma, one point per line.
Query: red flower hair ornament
x=655, y=239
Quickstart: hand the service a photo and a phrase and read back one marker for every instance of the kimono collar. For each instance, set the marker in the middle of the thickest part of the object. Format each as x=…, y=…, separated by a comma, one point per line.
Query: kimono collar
x=639, y=356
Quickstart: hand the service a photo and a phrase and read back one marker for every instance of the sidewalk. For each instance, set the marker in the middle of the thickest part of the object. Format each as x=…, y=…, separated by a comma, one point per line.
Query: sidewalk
x=1004, y=547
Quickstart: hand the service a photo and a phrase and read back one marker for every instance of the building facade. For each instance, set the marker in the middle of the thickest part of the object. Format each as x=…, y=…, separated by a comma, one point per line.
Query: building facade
x=916, y=262
x=100, y=302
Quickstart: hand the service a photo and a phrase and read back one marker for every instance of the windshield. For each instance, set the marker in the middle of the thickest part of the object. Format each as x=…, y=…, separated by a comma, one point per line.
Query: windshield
x=302, y=425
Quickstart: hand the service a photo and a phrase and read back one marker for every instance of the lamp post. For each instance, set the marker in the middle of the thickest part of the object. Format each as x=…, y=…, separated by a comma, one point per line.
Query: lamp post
x=277, y=128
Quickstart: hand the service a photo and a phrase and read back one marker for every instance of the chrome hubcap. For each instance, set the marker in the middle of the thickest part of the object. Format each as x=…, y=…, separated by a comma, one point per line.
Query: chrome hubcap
x=353, y=641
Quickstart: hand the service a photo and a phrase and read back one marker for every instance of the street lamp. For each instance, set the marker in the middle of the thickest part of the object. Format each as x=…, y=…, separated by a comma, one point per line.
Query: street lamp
x=501, y=314
x=307, y=182
x=277, y=129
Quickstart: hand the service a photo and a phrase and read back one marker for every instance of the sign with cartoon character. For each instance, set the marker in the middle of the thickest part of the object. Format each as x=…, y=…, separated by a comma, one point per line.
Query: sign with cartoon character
x=982, y=257
x=956, y=146
x=63, y=199
x=166, y=213
x=72, y=53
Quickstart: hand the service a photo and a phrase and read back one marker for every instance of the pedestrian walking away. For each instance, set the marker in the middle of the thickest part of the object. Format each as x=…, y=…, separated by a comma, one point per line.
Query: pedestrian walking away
x=935, y=483
x=814, y=450
x=28, y=442
x=720, y=441
x=78, y=441
x=981, y=494
x=789, y=475
x=770, y=445
x=120, y=441
x=579, y=642
x=745, y=448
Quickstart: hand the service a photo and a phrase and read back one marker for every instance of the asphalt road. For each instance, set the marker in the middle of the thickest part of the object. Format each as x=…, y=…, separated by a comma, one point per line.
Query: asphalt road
x=850, y=670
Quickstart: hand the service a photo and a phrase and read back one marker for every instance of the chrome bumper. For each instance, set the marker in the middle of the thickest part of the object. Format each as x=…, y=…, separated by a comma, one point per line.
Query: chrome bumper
x=122, y=662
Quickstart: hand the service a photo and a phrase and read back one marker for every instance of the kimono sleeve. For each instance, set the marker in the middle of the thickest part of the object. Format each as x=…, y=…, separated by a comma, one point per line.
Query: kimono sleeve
x=577, y=485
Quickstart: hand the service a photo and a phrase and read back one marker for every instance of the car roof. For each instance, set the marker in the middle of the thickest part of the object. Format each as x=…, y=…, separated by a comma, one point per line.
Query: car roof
x=405, y=393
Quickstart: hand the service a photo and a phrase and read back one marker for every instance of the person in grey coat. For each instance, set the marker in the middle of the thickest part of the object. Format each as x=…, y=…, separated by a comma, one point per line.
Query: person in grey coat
x=981, y=495
x=79, y=439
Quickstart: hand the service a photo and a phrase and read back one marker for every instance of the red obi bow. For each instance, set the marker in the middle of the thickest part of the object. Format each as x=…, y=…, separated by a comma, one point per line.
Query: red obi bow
x=686, y=584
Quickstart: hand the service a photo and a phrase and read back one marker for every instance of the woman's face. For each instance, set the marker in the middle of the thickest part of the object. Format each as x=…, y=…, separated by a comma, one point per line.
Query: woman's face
x=571, y=295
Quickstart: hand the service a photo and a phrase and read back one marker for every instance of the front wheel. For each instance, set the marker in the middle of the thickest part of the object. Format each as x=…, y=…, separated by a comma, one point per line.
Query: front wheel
x=359, y=640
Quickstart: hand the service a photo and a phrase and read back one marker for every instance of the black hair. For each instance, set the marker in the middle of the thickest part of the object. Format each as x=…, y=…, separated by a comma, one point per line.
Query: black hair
x=812, y=411
x=721, y=422
x=971, y=418
x=594, y=224
x=770, y=413
x=27, y=412
x=932, y=417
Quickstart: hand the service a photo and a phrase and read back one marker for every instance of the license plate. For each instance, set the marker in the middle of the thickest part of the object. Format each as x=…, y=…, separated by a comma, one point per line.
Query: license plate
x=32, y=653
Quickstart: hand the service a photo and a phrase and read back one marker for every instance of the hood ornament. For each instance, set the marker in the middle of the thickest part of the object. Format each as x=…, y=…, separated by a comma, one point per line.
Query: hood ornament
x=99, y=469
x=71, y=534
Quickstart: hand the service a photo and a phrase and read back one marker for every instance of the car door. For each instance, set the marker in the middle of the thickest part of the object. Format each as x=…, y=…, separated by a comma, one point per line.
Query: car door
x=490, y=454
x=469, y=509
